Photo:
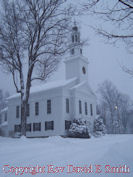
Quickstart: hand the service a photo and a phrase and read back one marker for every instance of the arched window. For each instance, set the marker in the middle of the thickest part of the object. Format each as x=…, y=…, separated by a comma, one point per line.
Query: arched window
x=72, y=51
x=73, y=38
x=80, y=51
x=76, y=38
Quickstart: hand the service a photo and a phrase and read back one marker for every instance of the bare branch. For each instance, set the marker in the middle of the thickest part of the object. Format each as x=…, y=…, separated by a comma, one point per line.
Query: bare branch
x=126, y=4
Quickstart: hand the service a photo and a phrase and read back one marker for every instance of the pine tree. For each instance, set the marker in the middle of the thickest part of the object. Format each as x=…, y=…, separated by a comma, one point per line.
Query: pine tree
x=99, y=127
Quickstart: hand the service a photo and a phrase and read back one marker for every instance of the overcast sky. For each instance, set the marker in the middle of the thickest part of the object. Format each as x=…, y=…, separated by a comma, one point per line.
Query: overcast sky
x=104, y=63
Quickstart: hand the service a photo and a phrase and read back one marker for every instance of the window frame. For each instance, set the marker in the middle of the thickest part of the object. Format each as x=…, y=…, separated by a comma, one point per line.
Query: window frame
x=72, y=38
x=80, y=107
x=72, y=51
x=91, y=109
x=49, y=125
x=76, y=38
x=67, y=105
x=17, y=111
x=86, y=109
x=49, y=106
x=5, y=117
x=36, y=108
x=36, y=127
x=67, y=124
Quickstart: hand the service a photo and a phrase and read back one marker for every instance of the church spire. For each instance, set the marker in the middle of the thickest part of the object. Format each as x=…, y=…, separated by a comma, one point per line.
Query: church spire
x=75, y=45
x=76, y=65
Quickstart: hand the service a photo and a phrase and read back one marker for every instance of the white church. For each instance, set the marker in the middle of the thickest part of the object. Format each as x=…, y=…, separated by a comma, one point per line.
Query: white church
x=52, y=106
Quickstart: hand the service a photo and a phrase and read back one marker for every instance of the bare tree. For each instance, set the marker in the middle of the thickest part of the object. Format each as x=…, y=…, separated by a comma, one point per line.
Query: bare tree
x=32, y=39
x=116, y=21
x=114, y=107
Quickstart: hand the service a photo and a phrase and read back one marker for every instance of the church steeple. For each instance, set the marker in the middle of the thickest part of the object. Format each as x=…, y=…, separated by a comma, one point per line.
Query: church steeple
x=75, y=44
x=76, y=65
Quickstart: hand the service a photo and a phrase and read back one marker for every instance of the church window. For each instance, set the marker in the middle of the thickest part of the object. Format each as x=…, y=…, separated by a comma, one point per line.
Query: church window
x=48, y=106
x=5, y=116
x=17, y=128
x=72, y=51
x=80, y=107
x=49, y=125
x=67, y=124
x=36, y=126
x=73, y=38
x=84, y=70
x=76, y=38
x=28, y=110
x=86, y=110
x=67, y=105
x=28, y=127
x=91, y=109
x=36, y=108
x=17, y=111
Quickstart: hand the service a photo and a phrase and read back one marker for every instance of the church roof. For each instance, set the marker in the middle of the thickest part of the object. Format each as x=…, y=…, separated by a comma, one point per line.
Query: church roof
x=46, y=86
x=83, y=84
x=4, y=110
x=79, y=85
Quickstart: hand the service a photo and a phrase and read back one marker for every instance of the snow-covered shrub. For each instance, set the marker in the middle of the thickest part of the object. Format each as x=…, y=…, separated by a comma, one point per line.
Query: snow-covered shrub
x=99, y=127
x=79, y=129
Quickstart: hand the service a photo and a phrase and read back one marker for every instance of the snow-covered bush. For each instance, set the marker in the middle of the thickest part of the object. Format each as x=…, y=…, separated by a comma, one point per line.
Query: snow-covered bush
x=99, y=127
x=79, y=129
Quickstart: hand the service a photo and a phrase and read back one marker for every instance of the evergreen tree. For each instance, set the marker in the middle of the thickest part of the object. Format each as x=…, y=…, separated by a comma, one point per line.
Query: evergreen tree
x=99, y=127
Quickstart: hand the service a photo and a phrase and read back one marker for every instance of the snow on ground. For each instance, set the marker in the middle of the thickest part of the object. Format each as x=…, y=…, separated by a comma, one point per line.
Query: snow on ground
x=113, y=150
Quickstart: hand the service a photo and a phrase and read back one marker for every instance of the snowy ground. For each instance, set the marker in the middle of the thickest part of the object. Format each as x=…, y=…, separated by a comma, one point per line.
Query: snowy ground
x=113, y=150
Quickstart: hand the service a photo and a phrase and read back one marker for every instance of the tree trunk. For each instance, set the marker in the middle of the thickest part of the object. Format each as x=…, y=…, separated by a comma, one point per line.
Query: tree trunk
x=24, y=102
x=23, y=118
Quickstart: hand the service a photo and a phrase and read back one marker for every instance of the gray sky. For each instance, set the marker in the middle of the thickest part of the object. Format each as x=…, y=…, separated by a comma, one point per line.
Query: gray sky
x=104, y=63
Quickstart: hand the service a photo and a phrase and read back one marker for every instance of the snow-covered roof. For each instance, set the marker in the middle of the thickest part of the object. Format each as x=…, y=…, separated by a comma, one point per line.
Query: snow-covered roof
x=4, y=124
x=46, y=86
x=78, y=85
x=82, y=84
x=4, y=110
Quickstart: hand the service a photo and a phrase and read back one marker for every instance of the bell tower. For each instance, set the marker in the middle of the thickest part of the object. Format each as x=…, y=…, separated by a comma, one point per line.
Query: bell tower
x=76, y=64
x=75, y=45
